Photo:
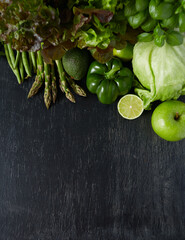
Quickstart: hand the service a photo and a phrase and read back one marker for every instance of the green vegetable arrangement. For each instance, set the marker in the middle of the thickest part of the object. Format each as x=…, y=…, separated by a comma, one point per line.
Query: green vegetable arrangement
x=38, y=35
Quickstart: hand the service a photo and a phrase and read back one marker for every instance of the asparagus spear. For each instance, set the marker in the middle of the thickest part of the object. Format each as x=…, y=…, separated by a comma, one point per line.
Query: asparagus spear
x=40, y=65
x=47, y=90
x=37, y=84
x=63, y=82
x=76, y=88
x=11, y=60
x=11, y=54
x=30, y=61
x=26, y=64
x=53, y=83
x=16, y=60
x=33, y=61
x=21, y=69
x=39, y=79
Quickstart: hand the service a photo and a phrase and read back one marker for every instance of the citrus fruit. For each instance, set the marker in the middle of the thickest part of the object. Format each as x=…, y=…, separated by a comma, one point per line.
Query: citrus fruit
x=130, y=106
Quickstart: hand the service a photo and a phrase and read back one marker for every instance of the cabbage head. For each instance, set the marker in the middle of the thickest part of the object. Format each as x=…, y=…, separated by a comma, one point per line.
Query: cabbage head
x=160, y=71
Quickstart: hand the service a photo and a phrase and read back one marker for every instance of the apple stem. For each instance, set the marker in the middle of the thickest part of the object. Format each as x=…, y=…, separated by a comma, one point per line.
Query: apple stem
x=176, y=116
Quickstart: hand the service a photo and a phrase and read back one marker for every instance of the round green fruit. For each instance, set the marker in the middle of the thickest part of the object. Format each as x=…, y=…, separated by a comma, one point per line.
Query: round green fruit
x=76, y=63
x=168, y=120
x=125, y=54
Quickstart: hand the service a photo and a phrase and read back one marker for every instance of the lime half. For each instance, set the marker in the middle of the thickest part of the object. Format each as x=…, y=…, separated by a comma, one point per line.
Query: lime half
x=130, y=106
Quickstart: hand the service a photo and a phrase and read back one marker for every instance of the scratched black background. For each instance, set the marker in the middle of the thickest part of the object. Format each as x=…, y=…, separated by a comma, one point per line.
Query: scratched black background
x=80, y=171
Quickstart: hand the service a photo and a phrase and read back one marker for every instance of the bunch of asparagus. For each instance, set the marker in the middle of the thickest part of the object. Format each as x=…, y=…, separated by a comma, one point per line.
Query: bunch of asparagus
x=23, y=64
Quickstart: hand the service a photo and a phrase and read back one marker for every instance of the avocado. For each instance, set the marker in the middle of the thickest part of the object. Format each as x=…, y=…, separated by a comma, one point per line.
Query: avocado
x=76, y=63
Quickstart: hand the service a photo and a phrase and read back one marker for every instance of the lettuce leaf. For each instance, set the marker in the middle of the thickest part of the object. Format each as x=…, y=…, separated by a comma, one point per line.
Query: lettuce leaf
x=100, y=29
x=27, y=23
x=160, y=71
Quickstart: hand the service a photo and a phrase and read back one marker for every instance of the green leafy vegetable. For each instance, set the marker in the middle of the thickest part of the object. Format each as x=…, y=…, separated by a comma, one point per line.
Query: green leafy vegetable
x=25, y=24
x=100, y=30
x=156, y=17
x=160, y=71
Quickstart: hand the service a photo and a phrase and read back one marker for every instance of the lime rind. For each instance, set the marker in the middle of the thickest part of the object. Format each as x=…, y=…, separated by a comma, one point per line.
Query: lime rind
x=130, y=106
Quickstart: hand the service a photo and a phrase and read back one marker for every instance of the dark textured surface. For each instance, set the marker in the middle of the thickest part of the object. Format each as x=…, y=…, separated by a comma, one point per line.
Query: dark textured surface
x=80, y=171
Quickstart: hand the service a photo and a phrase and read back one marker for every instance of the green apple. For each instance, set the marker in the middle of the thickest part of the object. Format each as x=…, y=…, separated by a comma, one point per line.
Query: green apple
x=125, y=54
x=168, y=120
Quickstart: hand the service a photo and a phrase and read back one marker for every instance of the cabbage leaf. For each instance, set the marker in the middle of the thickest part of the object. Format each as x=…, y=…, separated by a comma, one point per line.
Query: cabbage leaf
x=160, y=71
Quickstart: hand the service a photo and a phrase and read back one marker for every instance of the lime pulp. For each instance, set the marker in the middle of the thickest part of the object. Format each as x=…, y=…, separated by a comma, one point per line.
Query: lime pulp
x=130, y=106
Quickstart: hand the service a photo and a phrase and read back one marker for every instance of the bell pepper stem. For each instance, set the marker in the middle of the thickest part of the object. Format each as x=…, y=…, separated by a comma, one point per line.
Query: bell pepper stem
x=110, y=74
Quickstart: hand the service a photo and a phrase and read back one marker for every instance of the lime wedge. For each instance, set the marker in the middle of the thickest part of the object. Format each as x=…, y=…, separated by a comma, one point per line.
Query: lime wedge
x=130, y=106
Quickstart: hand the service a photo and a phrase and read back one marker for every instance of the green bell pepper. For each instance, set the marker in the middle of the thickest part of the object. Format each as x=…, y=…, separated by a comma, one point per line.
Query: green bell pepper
x=109, y=80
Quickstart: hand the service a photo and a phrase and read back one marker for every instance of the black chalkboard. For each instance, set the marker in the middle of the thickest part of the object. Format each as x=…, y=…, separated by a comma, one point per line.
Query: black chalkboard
x=80, y=171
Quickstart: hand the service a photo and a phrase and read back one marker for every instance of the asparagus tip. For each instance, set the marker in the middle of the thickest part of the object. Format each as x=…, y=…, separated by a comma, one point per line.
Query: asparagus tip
x=80, y=91
x=70, y=96
x=54, y=89
x=35, y=86
x=29, y=95
x=47, y=100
